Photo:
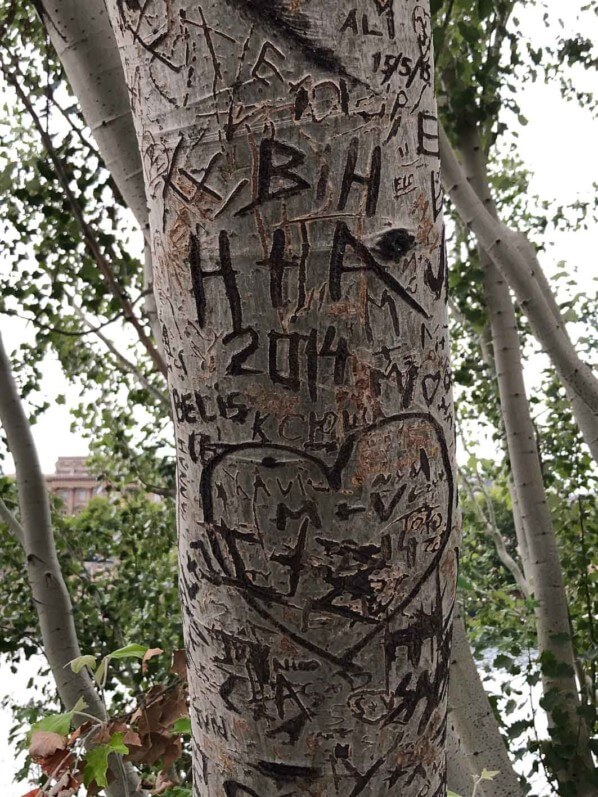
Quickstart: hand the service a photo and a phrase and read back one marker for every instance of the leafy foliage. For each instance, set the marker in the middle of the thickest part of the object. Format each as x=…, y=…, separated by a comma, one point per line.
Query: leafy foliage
x=149, y=735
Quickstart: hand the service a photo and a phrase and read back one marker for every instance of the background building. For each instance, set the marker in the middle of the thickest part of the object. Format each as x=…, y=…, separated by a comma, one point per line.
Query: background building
x=73, y=483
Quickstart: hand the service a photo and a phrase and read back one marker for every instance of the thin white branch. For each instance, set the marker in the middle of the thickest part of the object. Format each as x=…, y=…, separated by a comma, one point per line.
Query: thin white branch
x=124, y=361
x=491, y=529
x=497, y=241
x=12, y=523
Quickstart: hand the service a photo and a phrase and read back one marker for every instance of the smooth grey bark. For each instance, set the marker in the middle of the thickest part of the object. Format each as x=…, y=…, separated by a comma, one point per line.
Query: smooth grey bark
x=48, y=589
x=504, y=250
x=84, y=42
x=522, y=546
x=542, y=565
x=473, y=725
x=298, y=254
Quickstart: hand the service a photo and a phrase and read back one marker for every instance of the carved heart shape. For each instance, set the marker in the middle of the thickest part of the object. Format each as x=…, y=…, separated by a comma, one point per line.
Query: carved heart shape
x=331, y=586
x=430, y=385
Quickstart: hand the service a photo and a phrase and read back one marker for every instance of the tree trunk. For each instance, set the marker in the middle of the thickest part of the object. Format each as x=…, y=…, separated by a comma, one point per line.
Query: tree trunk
x=473, y=724
x=84, y=42
x=504, y=249
x=48, y=588
x=291, y=162
x=542, y=565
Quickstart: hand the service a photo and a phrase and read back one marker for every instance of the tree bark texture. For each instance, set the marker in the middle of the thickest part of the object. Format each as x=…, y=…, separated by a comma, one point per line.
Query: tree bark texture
x=88, y=56
x=477, y=744
x=291, y=162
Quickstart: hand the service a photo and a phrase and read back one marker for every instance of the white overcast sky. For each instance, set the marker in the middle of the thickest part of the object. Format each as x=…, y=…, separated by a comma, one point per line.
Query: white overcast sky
x=558, y=146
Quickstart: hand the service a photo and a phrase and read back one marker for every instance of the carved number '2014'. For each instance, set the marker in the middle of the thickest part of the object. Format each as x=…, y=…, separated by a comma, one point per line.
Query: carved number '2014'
x=290, y=355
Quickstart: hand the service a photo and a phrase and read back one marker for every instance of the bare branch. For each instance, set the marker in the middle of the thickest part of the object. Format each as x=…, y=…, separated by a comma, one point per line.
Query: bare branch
x=122, y=360
x=12, y=523
x=498, y=244
x=492, y=530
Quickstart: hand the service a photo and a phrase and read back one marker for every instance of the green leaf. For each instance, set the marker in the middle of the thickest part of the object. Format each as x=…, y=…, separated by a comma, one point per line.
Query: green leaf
x=503, y=662
x=517, y=728
x=452, y=794
x=55, y=723
x=561, y=639
x=132, y=651
x=116, y=744
x=553, y=668
x=182, y=725
x=77, y=664
x=96, y=760
x=489, y=774
x=80, y=705
x=464, y=584
x=485, y=8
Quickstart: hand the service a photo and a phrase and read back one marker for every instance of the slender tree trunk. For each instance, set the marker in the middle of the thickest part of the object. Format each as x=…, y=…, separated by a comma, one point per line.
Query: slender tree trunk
x=473, y=724
x=522, y=546
x=49, y=591
x=586, y=419
x=84, y=42
x=505, y=252
x=543, y=568
x=291, y=167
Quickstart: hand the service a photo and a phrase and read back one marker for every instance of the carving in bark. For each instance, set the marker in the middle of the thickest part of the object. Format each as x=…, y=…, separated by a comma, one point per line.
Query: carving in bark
x=290, y=153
